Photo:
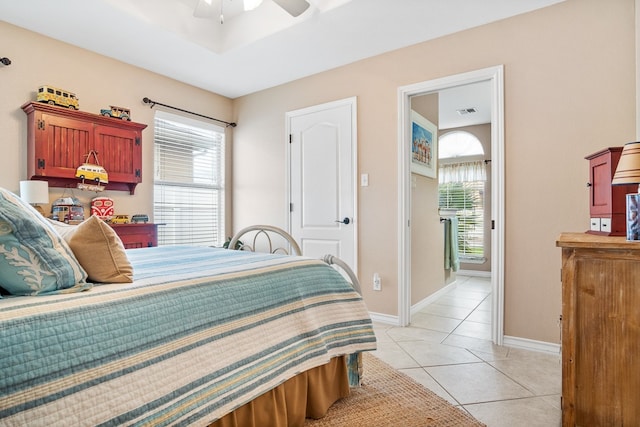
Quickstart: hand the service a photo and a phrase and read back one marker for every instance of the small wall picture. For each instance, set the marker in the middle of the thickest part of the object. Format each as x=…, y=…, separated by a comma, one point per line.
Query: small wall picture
x=633, y=222
x=424, y=146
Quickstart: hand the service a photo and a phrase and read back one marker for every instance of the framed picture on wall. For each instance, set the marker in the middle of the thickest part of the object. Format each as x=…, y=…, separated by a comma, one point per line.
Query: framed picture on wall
x=424, y=146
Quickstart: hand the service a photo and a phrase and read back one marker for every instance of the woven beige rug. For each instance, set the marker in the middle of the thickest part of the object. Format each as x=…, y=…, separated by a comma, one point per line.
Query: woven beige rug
x=389, y=398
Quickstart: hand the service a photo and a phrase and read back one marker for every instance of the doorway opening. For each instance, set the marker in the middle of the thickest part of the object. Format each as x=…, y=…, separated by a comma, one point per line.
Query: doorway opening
x=494, y=77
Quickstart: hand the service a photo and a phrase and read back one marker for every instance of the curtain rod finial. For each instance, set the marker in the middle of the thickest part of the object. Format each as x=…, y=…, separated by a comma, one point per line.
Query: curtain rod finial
x=148, y=101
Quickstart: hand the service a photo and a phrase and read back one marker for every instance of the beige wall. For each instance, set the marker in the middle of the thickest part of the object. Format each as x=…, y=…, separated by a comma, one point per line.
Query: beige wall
x=98, y=82
x=427, y=233
x=569, y=91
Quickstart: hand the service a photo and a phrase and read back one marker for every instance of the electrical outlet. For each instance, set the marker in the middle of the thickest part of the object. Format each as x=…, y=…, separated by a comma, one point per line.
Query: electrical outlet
x=377, y=283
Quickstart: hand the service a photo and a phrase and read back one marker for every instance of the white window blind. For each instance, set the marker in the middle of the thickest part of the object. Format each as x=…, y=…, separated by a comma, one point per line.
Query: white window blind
x=188, y=181
x=462, y=186
x=467, y=198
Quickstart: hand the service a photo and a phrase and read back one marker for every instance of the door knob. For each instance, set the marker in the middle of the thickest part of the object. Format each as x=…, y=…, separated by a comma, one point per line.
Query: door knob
x=345, y=221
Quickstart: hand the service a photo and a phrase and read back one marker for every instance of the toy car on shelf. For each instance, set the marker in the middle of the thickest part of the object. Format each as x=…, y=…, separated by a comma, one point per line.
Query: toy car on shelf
x=120, y=219
x=140, y=218
x=116, y=112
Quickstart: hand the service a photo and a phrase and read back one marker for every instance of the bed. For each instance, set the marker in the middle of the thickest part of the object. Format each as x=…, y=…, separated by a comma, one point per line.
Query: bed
x=195, y=337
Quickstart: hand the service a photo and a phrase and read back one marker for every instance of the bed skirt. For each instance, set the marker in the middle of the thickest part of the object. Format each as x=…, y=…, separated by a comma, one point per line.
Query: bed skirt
x=307, y=395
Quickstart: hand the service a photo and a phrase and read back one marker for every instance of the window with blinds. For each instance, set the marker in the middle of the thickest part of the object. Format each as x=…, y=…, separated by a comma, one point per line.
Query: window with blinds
x=188, y=181
x=467, y=198
x=462, y=177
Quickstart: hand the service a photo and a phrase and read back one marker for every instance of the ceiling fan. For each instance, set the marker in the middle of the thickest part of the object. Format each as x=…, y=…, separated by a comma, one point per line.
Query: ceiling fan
x=205, y=8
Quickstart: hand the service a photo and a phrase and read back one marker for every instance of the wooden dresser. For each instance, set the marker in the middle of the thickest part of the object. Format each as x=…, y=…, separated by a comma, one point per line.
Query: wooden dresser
x=137, y=235
x=600, y=330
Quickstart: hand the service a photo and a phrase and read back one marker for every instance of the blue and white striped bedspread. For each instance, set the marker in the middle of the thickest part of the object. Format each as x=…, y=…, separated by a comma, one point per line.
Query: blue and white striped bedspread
x=200, y=332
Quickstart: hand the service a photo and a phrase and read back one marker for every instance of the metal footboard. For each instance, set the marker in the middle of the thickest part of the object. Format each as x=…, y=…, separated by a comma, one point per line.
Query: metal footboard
x=334, y=260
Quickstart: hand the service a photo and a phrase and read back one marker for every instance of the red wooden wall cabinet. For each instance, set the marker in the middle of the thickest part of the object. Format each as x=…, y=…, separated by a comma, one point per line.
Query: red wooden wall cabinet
x=58, y=141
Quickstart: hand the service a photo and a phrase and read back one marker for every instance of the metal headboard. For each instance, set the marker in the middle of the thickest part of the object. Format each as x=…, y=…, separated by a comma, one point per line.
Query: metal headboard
x=264, y=232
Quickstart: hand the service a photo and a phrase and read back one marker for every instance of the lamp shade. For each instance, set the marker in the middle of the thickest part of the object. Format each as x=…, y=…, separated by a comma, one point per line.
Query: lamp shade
x=34, y=192
x=628, y=169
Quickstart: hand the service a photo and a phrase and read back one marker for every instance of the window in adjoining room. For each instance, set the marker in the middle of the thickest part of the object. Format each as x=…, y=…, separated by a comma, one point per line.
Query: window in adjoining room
x=188, y=181
x=462, y=177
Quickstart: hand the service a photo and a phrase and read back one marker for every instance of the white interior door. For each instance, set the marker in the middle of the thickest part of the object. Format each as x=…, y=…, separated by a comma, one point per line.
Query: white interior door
x=322, y=190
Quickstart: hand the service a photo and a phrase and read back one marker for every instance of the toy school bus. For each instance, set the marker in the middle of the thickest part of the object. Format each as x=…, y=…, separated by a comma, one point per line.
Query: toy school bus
x=55, y=96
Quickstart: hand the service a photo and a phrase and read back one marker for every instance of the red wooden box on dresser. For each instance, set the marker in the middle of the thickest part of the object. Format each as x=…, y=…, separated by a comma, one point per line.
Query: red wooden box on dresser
x=607, y=203
x=137, y=235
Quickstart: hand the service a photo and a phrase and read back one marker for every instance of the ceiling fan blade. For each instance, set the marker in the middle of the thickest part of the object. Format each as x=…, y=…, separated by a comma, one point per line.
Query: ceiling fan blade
x=293, y=7
x=204, y=9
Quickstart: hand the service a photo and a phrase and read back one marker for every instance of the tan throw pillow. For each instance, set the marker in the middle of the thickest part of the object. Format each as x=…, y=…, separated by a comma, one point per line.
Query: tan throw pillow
x=100, y=252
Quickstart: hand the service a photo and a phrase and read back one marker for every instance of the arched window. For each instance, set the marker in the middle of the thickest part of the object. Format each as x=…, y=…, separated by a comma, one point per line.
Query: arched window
x=459, y=144
x=462, y=177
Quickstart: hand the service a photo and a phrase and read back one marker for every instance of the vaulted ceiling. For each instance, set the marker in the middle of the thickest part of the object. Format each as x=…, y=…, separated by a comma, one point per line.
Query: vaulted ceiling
x=251, y=50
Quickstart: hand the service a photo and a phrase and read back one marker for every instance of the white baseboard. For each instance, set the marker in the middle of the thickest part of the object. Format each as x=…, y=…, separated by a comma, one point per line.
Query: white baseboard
x=474, y=273
x=532, y=345
x=384, y=318
x=431, y=298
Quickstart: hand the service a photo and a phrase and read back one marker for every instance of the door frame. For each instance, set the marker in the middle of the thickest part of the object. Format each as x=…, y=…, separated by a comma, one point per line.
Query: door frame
x=496, y=76
x=289, y=115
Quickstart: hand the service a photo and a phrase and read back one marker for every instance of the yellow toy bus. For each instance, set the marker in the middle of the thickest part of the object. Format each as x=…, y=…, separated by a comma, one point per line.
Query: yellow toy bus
x=54, y=96
x=93, y=173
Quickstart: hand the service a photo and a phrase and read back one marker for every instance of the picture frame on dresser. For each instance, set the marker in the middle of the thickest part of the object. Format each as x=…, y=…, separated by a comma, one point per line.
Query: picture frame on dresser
x=633, y=222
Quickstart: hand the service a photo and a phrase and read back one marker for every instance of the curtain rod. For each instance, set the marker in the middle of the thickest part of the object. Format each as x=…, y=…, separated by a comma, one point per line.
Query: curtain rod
x=154, y=103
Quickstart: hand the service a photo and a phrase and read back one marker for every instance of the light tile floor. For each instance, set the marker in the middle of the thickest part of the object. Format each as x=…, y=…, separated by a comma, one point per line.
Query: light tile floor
x=448, y=349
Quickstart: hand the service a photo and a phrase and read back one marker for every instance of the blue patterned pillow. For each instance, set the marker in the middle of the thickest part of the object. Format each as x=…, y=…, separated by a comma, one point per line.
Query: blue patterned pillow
x=34, y=259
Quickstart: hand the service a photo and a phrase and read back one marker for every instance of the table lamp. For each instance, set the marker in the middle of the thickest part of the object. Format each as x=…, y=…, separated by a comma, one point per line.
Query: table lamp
x=35, y=192
x=628, y=172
